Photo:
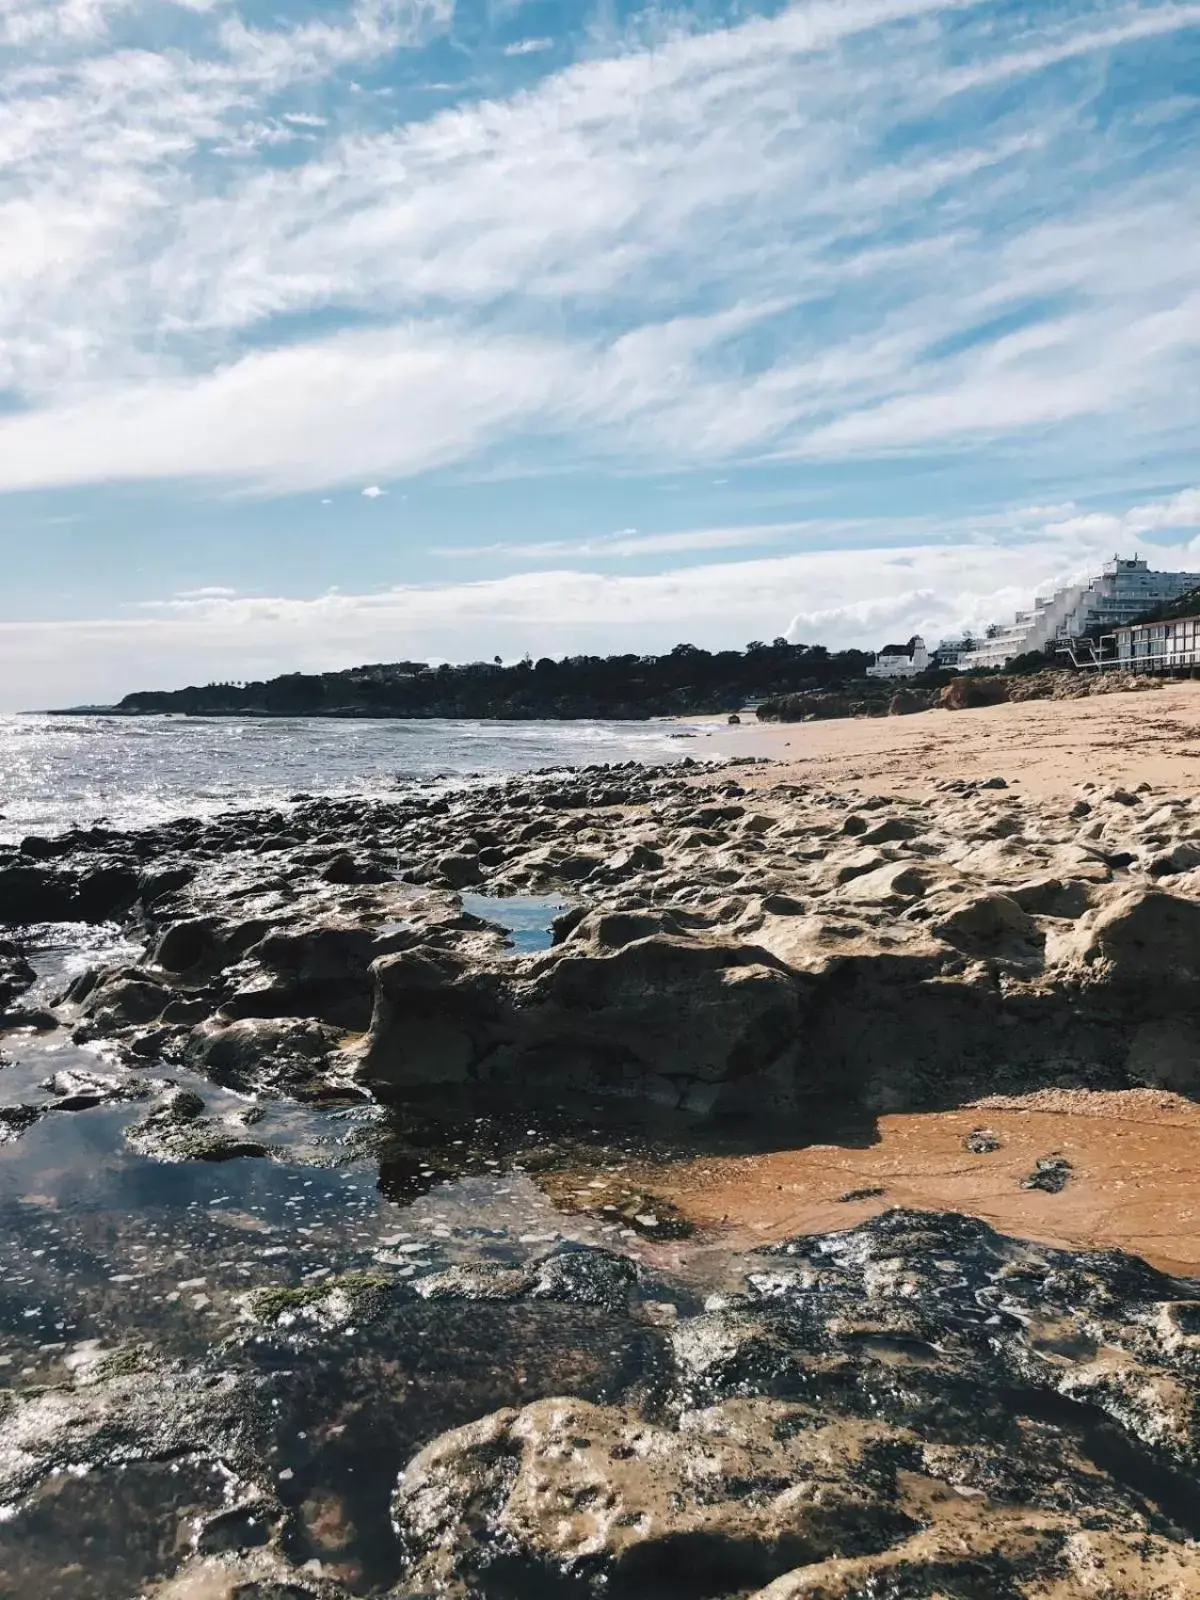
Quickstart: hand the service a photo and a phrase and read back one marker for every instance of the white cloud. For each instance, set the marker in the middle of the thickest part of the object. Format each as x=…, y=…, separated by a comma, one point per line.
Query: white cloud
x=528, y=47
x=524, y=261
x=628, y=543
x=373, y=492
x=1150, y=23
x=406, y=400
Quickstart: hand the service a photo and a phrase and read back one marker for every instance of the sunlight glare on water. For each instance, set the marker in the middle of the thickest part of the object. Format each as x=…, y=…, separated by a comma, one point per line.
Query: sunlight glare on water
x=135, y=772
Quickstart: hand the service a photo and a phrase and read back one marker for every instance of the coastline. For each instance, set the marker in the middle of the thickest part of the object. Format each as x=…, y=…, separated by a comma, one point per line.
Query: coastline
x=772, y=1124
x=1045, y=746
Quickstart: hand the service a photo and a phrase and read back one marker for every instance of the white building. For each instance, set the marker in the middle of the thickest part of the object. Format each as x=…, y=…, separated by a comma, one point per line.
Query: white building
x=1122, y=590
x=949, y=652
x=1160, y=646
x=901, y=660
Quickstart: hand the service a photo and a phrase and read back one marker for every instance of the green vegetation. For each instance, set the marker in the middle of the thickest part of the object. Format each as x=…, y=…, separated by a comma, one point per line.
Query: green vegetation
x=685, y=681
x=361, y=1288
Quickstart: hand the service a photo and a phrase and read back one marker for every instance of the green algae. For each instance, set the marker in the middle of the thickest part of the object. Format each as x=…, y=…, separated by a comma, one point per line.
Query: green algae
x=363, y=1290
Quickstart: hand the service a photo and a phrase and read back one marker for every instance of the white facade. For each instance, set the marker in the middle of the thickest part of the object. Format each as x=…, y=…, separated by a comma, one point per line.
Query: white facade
x=901, y=660
x=1122, y=590
x=949, y=652
x=1160, y=646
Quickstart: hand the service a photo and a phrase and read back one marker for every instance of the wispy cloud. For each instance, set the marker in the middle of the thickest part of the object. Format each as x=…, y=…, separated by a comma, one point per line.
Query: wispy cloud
x=628, y=543
x=760, y=240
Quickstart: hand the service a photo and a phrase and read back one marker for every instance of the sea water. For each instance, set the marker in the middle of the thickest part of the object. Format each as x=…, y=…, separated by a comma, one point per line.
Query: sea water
x=131, y=772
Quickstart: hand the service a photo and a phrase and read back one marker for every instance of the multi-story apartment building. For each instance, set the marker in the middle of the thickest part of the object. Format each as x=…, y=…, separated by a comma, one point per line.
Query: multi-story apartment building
x=1125, y=588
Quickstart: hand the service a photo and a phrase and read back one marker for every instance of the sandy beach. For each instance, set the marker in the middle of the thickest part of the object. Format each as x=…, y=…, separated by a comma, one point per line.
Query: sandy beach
x=1132, y=1157
x=1133, y=1154
x=1046, y=746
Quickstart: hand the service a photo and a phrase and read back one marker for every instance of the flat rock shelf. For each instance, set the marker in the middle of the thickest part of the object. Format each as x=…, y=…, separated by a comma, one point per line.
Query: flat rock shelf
x=629, y=1182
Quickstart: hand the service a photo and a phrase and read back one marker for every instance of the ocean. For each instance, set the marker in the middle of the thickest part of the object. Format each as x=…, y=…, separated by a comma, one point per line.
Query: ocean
x=134, y=772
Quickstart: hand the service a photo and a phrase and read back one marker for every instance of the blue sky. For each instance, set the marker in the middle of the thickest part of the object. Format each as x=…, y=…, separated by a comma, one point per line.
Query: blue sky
x=459, y=327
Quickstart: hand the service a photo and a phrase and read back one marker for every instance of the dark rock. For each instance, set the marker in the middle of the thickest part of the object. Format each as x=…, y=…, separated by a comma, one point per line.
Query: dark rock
x=128, y=1463
x=990, y=925
x=612, y=1018
x=486, y=1280
x=16, y=975
x=16, y=1120
x=583, y=1276
x=1145, y=941
x=177, y=1130
x=157, y=884
x=36, y=1018
x=982, y=1142
x=80, y=1091
x=128, y=996
x=459, y=871
x=81, y=987
x=428, y=1026
x=104, y=894
x=892, y=830
x=1052, y=1174
x=186, y=944
x=35, y=894
x=564, y=925
x=255, y=1052
x=346, y=868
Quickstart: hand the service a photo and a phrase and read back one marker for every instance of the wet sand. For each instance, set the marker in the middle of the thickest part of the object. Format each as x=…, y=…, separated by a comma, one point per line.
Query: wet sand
x=1134, y=1156
x=1046, y=746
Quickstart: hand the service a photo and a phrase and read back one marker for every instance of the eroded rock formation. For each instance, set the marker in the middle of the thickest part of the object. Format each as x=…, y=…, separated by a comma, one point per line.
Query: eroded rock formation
x=916, y=1407
x=727, y=949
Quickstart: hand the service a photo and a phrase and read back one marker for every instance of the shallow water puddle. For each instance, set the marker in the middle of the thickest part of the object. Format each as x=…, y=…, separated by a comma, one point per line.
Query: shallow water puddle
x=60, y=951
x=98, y=1242
x=527, y=919
x=101, y=1244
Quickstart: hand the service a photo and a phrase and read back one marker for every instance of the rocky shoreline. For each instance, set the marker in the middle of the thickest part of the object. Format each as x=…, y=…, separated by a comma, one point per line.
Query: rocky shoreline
x=725, y=950
x=914, y=1407
x=879, y=697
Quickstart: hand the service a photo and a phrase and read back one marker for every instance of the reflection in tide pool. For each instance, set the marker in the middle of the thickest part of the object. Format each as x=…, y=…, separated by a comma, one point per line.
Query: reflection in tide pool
x=527, y=919
x=101, y=1243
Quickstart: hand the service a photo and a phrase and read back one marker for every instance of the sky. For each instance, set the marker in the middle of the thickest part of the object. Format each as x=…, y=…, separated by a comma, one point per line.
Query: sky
x=442, y=329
